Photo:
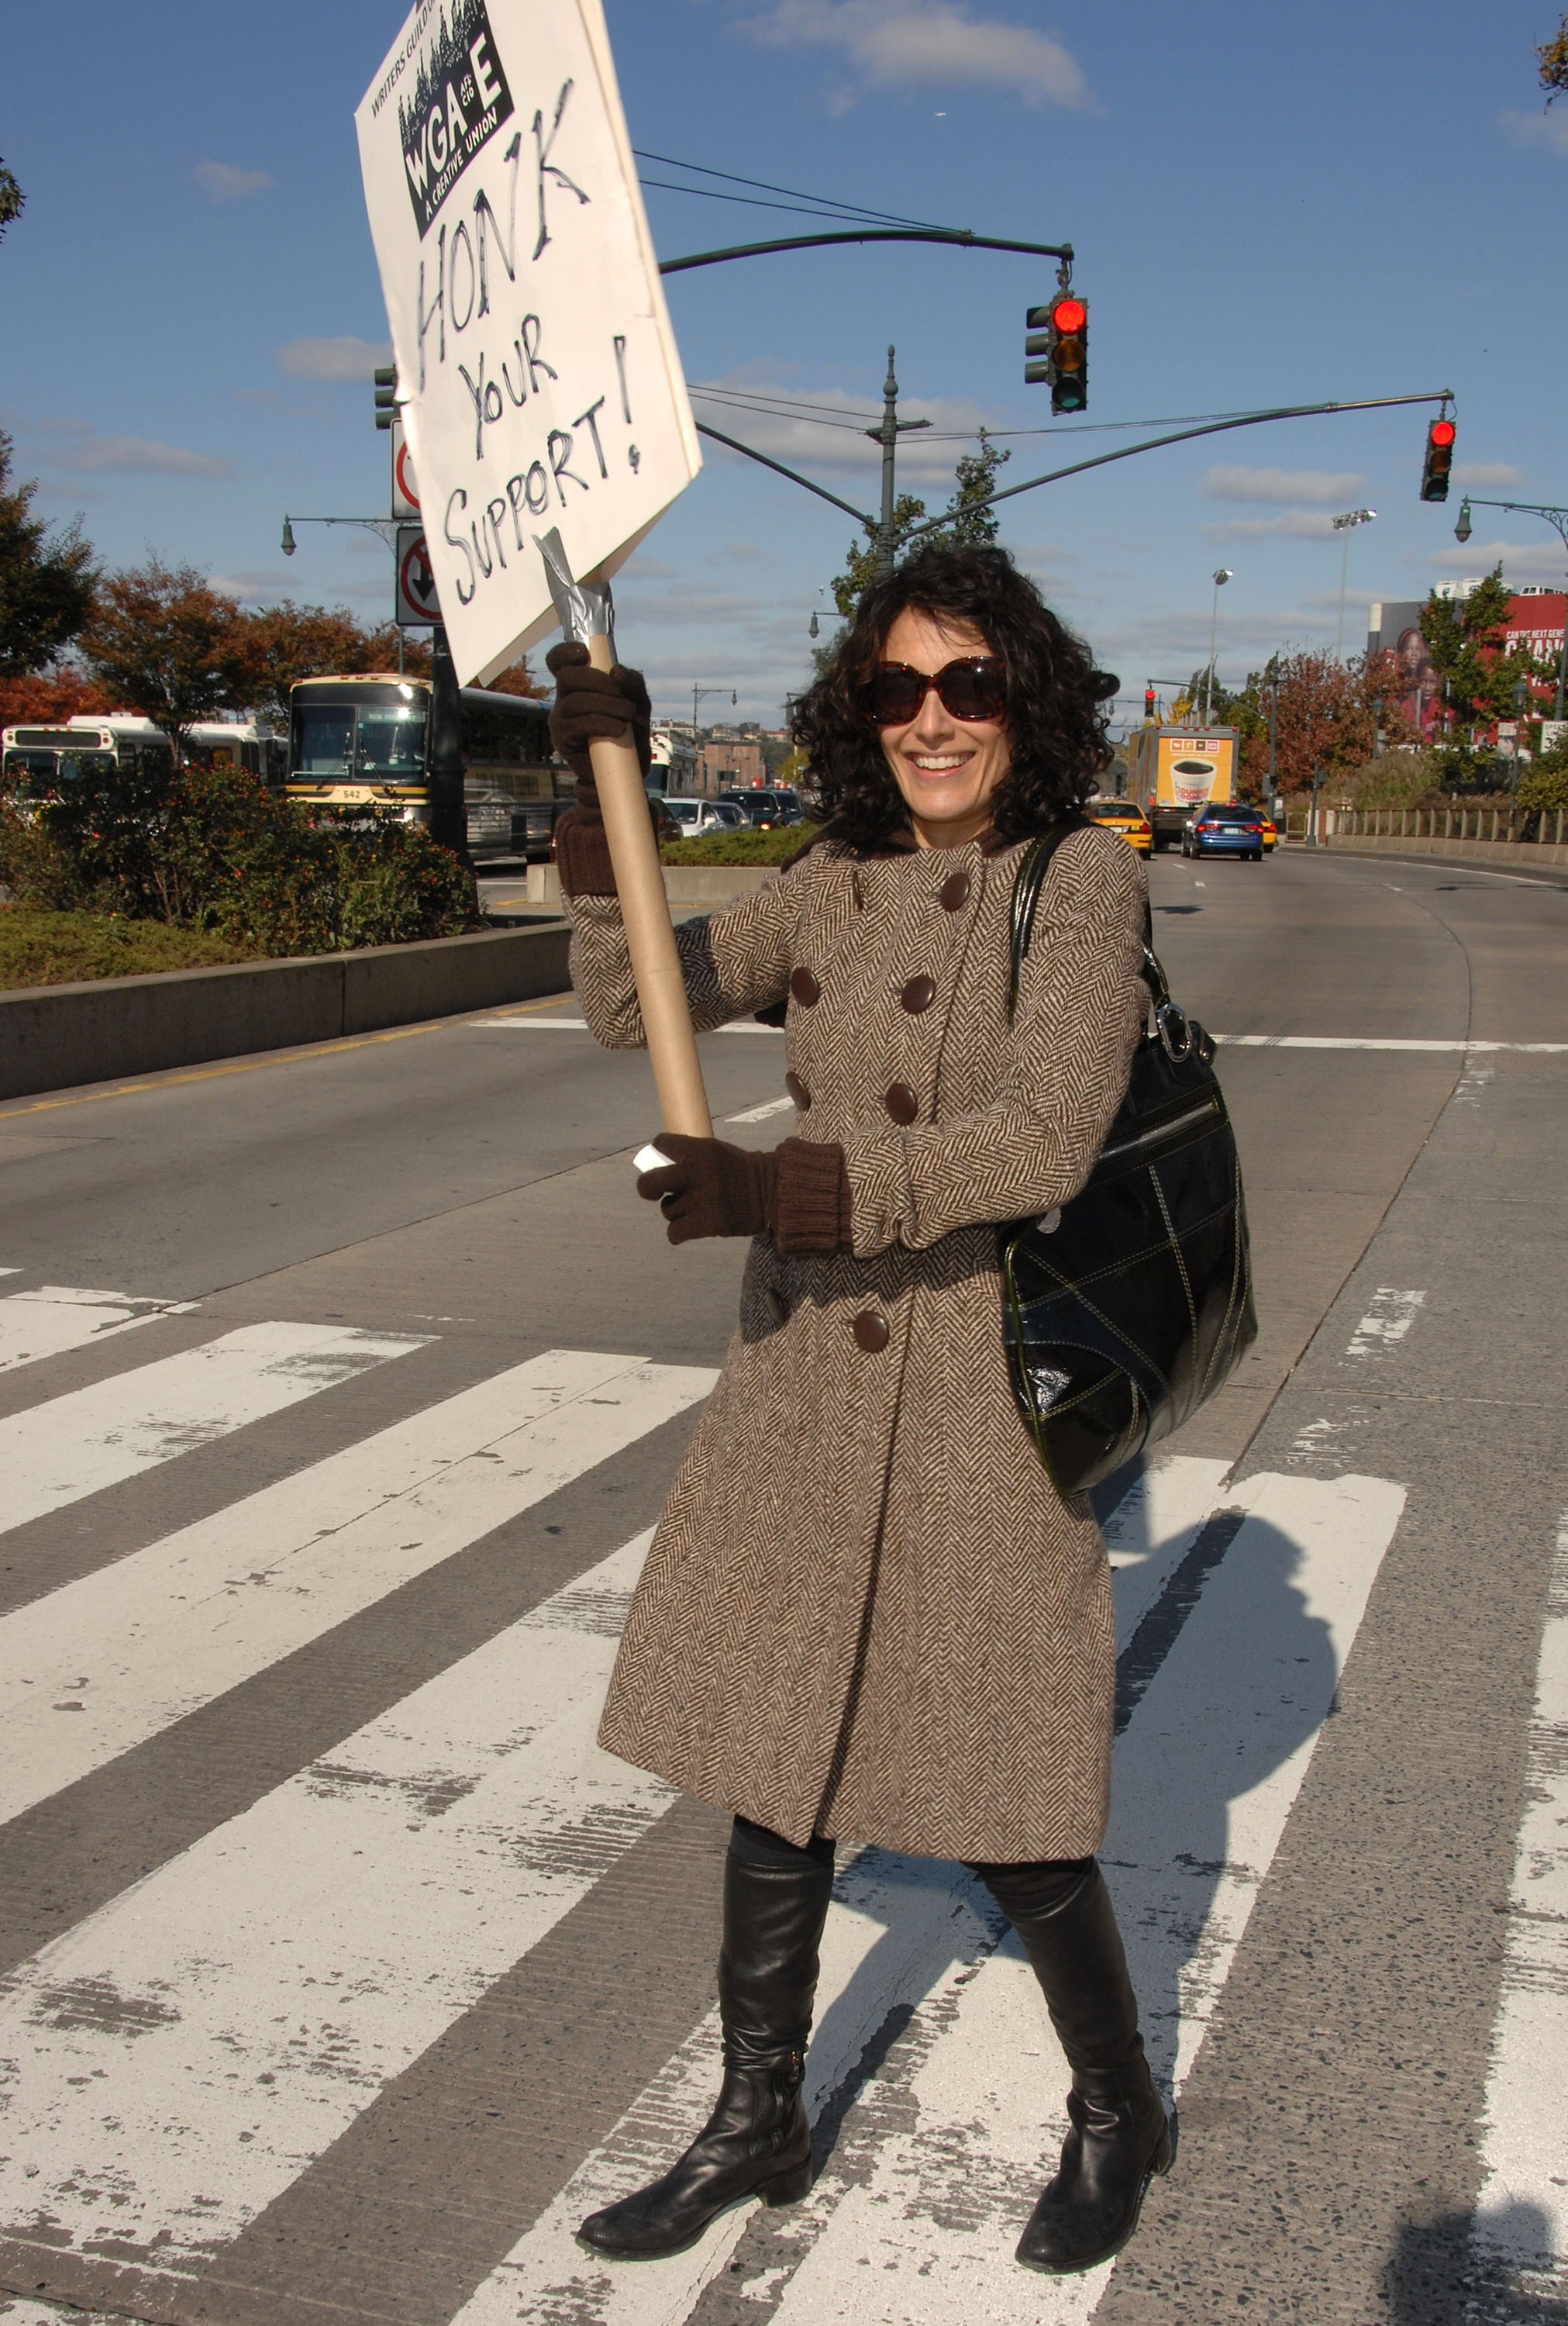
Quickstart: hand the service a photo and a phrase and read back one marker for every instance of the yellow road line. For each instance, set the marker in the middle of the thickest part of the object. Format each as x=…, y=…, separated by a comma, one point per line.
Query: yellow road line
x=15, y=1113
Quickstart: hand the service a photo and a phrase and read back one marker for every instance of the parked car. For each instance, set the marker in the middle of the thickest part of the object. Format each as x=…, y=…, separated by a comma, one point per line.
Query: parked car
x=1231, y=830
x=764, y=809
x=696, y=816
x=1126, y=816
x=665, y=825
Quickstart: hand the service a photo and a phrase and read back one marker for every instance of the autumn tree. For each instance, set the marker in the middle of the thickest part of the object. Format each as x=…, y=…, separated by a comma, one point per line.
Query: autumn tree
x=46, y=584
x=278, y=646
x=1330, y=714
x=517, y=679
x=165, y=643
x=1552, y=59
x=12, y=200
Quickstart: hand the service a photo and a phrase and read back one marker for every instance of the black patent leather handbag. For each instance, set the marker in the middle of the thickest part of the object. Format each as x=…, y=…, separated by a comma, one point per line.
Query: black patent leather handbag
x=1130, y=1306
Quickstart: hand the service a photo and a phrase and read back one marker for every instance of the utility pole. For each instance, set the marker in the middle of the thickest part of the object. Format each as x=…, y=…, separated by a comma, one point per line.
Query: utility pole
x=886, y=435
x=1273, y=733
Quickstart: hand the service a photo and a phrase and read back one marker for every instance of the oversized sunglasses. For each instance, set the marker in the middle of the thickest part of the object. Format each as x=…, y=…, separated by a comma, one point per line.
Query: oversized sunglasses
x=974, y=687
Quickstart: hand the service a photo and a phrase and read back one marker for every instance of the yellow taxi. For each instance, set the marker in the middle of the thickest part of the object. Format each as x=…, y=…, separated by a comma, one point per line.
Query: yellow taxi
x=1126, y=816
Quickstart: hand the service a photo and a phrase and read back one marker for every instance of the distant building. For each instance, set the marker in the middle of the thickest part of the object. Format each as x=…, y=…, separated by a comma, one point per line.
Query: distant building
x=728, y=761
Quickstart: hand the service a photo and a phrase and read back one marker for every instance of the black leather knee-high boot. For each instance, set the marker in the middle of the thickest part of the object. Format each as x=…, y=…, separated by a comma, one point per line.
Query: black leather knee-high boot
x=1121, y=2136
x=758, y=2142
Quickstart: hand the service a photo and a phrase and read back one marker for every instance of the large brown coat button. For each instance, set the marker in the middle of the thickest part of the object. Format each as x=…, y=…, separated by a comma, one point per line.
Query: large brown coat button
x=954, y=892
x=798, y=1092
x=871, y=1331
x=804, y=987
x=902, y=1103
x=917, y=995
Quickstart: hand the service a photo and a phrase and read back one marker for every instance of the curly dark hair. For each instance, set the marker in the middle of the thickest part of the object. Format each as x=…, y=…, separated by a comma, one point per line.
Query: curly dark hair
x=1054, y=698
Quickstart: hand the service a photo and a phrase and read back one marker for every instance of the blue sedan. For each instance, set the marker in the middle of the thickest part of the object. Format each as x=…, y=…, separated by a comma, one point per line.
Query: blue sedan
x=1225, y=831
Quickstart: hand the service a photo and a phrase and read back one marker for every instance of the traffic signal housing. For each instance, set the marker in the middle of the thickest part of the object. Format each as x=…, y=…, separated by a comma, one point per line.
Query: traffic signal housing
x=1439, y=459
x=1059, y=334
x=386, y=379
x=1149, y=703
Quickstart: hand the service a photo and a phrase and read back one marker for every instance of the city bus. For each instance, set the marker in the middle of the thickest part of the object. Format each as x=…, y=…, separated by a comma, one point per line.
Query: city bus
x=237, y=743
x=46, y=754
x=1172, y=772
x=363, y=741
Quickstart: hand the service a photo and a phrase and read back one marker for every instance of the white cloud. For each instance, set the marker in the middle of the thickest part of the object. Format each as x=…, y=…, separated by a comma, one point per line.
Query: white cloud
x=836, y=439
x=903, y=43
x=347, y=358
x=85, y=453
x=1301, y=525
x=1541, y=561
x=1319, y=486
x=1475, y=473
x=220, y=182
x=1536, y=129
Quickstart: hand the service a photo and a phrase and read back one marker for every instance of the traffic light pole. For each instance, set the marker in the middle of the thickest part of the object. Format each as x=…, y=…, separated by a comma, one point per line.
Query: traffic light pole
x=1557, y=518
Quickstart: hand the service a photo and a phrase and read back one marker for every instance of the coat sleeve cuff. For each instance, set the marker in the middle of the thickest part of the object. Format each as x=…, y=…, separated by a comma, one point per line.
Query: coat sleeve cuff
x=812, y=1197
x=582, y=857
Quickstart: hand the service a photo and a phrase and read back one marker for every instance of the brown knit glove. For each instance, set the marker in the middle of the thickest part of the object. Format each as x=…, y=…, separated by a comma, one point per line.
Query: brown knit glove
x=799, y=1194
x=589, y=703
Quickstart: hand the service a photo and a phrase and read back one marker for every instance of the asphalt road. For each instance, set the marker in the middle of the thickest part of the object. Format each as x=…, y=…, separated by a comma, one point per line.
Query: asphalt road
x=342, y=1968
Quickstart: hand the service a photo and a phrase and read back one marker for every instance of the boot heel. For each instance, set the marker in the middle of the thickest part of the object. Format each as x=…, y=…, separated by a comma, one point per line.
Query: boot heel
x=789, y=2188
x=1165, y=2156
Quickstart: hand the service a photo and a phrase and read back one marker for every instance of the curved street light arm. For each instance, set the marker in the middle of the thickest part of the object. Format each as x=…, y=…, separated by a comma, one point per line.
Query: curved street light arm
x=958, y=235
x=793, y=475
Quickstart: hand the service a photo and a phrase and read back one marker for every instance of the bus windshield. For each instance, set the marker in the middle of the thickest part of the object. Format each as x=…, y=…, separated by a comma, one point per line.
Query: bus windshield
x=335, y=741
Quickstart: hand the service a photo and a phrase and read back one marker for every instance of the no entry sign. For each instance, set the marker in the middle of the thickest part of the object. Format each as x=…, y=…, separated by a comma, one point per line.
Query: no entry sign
x=541, y=382
x=405, y=489
x=417, y=597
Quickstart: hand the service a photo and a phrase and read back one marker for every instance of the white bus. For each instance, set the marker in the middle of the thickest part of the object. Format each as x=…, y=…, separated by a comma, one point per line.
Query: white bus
x=238, y=743
x=46, y=755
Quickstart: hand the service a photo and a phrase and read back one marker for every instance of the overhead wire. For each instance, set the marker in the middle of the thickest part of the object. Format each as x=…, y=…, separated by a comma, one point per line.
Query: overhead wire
x=827, y=204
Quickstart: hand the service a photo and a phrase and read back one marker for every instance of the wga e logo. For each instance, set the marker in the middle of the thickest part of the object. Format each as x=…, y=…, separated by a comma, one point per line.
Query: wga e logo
x=459, y=100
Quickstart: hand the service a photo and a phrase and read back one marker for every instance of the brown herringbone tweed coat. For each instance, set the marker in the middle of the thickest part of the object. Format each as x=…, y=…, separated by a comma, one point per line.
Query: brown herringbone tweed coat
x=866, y=1612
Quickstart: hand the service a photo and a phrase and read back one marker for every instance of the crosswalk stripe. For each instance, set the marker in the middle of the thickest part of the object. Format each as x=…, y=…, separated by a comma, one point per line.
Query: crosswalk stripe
x=62, y=1316
x=77, y=1445
x=914, y=2220
x=135, y=1646
x=1522, y=2212
x=175, y=2061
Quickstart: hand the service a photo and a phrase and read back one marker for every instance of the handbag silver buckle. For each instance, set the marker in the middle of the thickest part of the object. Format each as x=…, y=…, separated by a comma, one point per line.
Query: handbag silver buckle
x=1174, y=1031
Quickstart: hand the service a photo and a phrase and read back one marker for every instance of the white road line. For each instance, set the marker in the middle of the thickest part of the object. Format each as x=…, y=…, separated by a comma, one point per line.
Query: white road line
x=1522, y=2214
x=914, y=2222
x=761, y=1113
x=1153, y=1528
x=60, y=1316
x=54, y=1453
x=580, y=1025
x=175, y=2061
x=1386, y=1322
x=1344, y=1042
x=130, y=1649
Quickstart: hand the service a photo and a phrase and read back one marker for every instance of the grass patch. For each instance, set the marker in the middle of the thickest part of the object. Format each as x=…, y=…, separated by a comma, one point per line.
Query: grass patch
x=773, y=847
x=44, y=948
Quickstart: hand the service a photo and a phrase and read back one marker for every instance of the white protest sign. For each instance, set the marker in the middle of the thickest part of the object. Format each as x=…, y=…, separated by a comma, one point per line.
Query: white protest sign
x=539, y=376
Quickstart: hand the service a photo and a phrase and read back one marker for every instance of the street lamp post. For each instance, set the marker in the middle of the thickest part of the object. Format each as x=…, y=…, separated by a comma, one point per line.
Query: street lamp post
x=1223, y=575
x=1344, y=526
x=699, y=694
x=887, y=435
x=1273, y=734
x=384, y=528
x=1557, y=518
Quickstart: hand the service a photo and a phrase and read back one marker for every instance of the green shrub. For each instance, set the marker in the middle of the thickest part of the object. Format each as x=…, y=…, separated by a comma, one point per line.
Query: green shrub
x=39, y=947
x=214, y=849
x=752, y=847
x=1544, y=788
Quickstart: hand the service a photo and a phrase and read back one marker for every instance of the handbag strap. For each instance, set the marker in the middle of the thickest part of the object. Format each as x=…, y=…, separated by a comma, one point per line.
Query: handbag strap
x=1027, y=889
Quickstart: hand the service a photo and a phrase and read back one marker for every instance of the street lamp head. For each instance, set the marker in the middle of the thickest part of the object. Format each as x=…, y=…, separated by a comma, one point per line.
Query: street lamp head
x=1222, y=576
x=288, y=538
x=813, y=626
x=1461, y=531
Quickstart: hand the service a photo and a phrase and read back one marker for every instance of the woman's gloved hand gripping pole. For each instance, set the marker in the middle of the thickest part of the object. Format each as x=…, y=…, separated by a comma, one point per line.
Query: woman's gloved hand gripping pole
x=799, y=1193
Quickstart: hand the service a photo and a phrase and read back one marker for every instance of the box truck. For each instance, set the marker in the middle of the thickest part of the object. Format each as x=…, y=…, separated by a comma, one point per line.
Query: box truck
x=1174, y=771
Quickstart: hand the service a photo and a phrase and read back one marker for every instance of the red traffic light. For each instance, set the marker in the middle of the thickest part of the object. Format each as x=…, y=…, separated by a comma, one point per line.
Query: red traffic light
x=1443, y=432
x=1069, y=314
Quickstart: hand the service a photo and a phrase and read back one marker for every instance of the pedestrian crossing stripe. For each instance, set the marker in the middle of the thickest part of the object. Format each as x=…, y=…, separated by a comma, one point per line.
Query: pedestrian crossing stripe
x=189, y=2055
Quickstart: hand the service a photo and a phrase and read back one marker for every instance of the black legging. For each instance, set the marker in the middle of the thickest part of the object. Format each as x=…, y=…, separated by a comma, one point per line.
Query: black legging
x=1034, y=1886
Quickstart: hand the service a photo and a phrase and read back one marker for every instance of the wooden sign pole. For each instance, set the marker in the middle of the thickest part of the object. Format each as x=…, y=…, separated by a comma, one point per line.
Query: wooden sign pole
x=649, y=932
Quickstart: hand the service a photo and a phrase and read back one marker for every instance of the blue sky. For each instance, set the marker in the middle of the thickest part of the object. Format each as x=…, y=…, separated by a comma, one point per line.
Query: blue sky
x=1268, y=206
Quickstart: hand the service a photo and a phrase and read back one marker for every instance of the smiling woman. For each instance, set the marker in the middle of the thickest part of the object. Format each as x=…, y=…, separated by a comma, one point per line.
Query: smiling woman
x=868, y=1610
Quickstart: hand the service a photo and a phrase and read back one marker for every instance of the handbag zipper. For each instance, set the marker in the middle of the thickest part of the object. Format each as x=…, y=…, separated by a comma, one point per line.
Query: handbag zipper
x=1162, y=1130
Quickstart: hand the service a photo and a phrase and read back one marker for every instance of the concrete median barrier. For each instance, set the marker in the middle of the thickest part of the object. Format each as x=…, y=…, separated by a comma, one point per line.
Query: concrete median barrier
x=56, y=1036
